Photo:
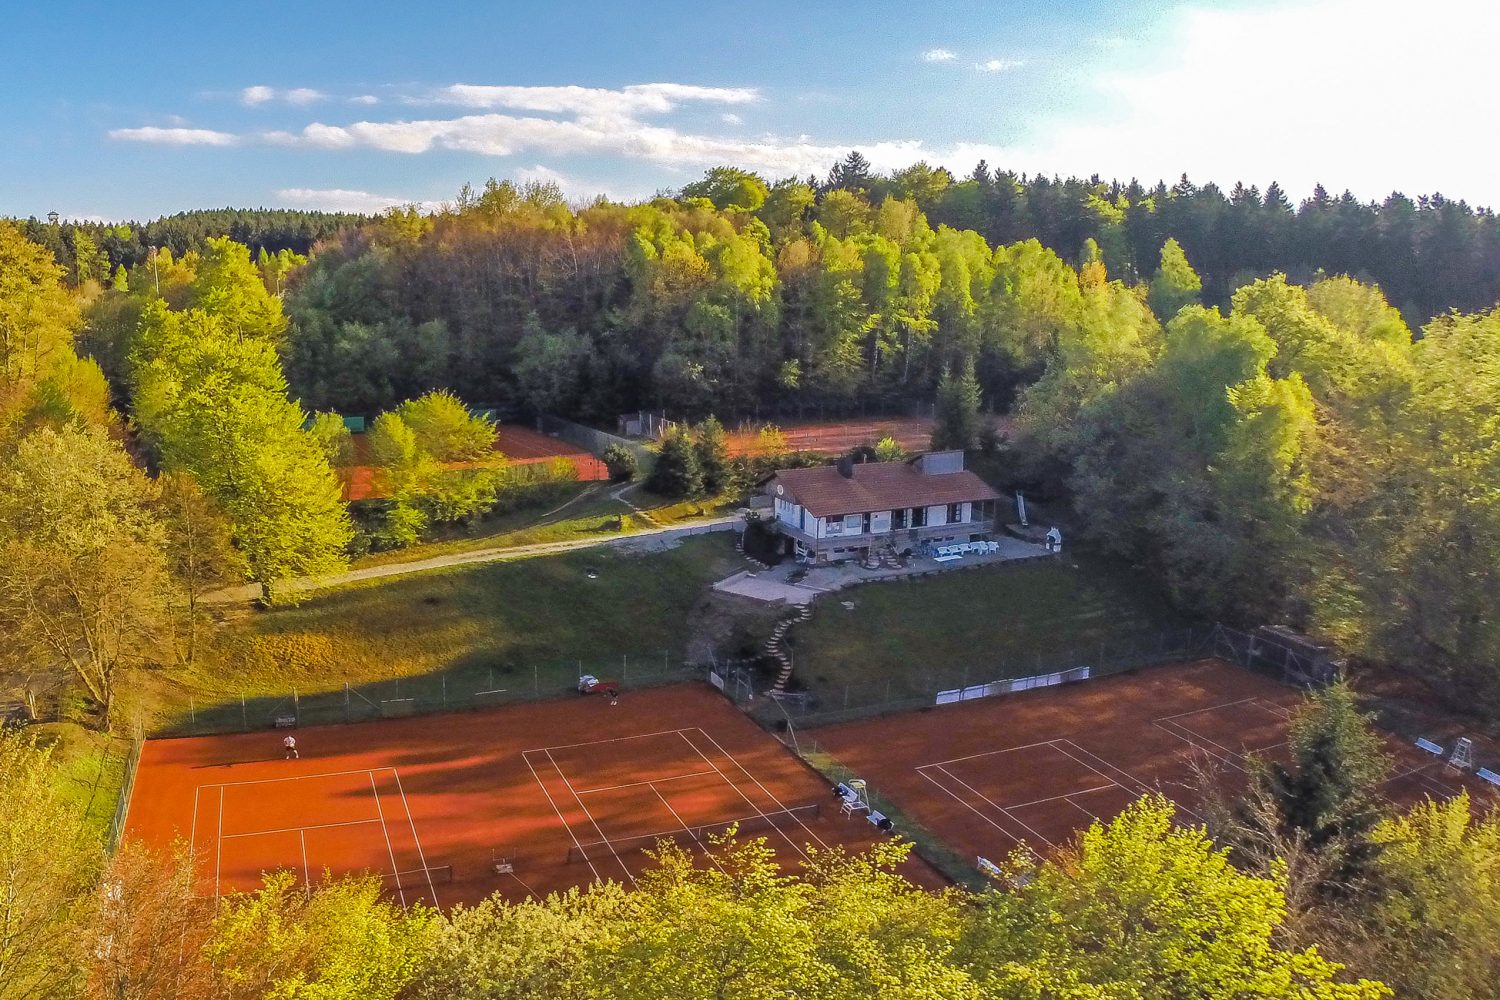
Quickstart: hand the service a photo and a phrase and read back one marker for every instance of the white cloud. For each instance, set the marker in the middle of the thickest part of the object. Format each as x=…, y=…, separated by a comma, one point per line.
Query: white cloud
x=1347, y=92
x=299, y=96
x=939, y=55
x=364, y=99
x=588, y=102
x=508, y=135
x=344, y=200
x=998, y=65
x=174, y=136
x=730, y=118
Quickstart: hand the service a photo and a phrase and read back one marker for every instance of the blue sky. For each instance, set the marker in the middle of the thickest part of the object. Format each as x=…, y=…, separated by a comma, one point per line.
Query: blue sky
x=115, y=112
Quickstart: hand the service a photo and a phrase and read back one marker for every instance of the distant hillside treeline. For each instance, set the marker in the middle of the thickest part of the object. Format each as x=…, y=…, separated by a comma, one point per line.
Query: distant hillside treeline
x=107, y=245
x=847, y=292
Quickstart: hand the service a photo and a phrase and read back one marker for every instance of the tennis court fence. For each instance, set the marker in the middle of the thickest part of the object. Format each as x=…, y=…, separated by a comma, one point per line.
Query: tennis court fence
x=777, y=819
x=822, y=703
x=467, y=687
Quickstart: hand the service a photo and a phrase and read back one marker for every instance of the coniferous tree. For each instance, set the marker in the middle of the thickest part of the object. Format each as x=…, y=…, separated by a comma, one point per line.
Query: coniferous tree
x=712, y=448
x=676, y=472
x=1176, y=283
x=957, y=410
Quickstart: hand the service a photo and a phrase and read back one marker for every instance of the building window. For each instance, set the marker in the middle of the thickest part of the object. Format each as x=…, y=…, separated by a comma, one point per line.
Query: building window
x=898, y=519
x=955, y=513
x=919, y=517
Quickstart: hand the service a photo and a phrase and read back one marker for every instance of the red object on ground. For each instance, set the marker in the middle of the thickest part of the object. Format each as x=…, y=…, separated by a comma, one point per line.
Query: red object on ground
x=834, y=437
x=986, y=775
x=422, y=800
x=519, y=445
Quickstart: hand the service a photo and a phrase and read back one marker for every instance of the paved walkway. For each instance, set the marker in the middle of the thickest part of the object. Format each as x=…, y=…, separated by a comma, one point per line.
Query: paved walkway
x=651, y=537
x=774, y=584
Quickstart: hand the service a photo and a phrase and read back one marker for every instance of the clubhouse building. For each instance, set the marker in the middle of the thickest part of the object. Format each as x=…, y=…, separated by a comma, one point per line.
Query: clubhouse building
x=854, y=510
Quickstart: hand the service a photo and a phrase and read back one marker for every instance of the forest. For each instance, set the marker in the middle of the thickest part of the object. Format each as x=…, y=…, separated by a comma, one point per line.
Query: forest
x=1297, y=436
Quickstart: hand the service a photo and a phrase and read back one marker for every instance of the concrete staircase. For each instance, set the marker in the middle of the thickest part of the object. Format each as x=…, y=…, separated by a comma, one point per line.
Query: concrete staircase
x=775, y=650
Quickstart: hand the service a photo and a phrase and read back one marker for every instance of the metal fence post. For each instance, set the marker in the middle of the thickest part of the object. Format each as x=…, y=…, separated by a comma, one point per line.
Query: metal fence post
x=624, y=669
x=536, y=681
x=244, y=714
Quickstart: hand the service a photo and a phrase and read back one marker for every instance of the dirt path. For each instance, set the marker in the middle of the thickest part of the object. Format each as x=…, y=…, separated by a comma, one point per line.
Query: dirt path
x=647, y=539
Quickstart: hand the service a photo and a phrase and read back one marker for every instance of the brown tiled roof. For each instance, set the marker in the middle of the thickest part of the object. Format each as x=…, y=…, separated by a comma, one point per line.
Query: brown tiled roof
x=877, y=486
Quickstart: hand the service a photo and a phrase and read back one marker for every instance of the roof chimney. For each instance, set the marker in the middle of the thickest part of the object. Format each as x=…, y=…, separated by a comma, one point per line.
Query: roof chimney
x=846, y=467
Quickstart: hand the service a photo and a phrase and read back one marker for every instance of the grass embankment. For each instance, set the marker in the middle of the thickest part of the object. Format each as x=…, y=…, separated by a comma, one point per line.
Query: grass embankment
x=440, y=637
x=590, y=513
x=905, y=640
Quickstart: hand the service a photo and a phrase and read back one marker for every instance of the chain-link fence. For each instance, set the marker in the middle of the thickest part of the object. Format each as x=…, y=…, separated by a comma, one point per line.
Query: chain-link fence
x=459, y=689
x=821, y=704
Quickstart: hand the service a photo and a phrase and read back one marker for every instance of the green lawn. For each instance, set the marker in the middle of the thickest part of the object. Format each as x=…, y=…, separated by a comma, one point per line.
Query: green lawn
x=439, y=637
x=908, y=639
x=591, y=513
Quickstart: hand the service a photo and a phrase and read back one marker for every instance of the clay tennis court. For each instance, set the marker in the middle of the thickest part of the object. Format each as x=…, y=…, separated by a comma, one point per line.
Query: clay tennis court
x=832, y=437
x=1036, y=767
x=520, y=446
x=564, y=792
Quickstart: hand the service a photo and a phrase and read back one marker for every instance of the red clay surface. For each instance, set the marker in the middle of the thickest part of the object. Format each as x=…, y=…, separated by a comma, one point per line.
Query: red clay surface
x=429, y=803
x=1036, y=767
x=519, y=445
x=912, y=433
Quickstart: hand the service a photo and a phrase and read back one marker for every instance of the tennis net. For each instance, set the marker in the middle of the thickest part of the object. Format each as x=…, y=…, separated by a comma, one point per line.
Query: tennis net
x=776, y=819
x=418, y=876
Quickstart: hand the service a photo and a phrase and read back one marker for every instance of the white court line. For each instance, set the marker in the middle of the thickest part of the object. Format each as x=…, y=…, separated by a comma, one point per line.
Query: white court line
x=296, y=829
x=780, y=805
x=1087, y=812
x=1010, y=815
x=306, y=876
x=395, y=870
x=193, y=833
x=772, y=796
x=1210, y=708
x=969, y=805
x=1054, y=798
x=1191, y=738
x=633, y=784
x=293, y=777
x=706, y=852
x=615, y=739
x=1141, y=788
x=413, y=824
x=741, y=793
x=597, y=829
x=219, y=848
x=571, y=836
x=987, y=753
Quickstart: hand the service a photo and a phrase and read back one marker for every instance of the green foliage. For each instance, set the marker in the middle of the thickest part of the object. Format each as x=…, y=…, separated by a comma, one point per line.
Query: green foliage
x=83, y=575
x=37, y=321
x=214, y=403
x=49, y=866
x=888, y=449
x=228, y=286
x=1322, y=805
x=1435, y=930
x=620, y=461
x=334, y=439
x=1175, y=285
x=676, y=472
x=957, y=413
x=1144, y=909
x=446, y=430
x=711, y=446
x=729, y=188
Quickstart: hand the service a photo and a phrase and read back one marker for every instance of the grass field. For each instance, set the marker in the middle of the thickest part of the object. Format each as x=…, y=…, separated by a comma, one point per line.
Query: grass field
x=584, y=513
x=520, y=624
x=905, y=640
